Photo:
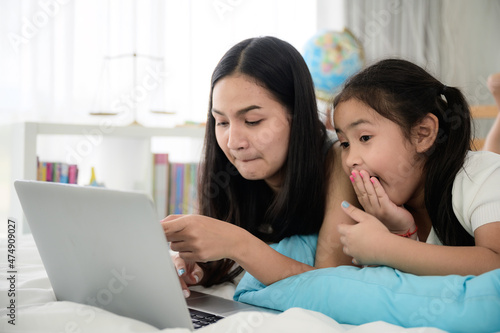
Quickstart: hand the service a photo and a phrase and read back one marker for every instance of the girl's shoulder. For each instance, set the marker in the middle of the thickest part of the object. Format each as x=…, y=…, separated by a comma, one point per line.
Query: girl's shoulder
x=475, y=194
x=480, y=169
x=480, y=163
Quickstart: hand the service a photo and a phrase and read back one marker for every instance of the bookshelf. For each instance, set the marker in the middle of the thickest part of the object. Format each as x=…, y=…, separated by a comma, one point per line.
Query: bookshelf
x=121, y=155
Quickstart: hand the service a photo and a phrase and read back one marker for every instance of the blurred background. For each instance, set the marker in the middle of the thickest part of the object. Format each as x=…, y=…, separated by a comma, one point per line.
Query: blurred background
x=75, y=60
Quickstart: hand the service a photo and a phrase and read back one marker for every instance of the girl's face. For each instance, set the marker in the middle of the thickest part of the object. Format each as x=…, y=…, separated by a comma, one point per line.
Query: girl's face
x=251, y=127
x=377, y=145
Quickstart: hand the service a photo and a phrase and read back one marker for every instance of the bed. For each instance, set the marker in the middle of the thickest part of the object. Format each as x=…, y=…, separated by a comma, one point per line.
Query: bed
x=36, y=309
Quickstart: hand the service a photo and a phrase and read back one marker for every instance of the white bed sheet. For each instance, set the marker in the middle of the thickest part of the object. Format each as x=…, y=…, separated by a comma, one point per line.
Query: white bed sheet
x=38, y=311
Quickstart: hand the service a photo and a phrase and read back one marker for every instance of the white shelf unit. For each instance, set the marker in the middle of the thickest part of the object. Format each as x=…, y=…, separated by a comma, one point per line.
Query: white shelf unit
x=121, y=155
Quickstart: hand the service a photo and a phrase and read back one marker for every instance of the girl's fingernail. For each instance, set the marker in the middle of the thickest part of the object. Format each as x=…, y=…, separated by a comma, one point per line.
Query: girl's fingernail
x=372, y=180
x=197, y=278
x=351, y=178
x=181, y=271
x=353, y=174
x=186, y=293
x=361, y=175
x=345, y=204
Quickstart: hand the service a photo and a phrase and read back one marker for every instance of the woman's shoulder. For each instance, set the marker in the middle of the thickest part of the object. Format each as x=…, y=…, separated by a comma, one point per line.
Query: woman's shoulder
x=330, y=140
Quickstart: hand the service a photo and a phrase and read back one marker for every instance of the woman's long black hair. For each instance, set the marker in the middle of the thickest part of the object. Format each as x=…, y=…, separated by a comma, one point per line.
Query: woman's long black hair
x=298, y=208
x=405, y=93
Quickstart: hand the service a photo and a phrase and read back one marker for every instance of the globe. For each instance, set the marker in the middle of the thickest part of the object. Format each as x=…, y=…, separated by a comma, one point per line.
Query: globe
x=332, y=57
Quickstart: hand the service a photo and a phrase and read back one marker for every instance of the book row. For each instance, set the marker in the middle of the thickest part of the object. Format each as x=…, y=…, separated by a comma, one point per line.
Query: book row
x=57, y=172
x=174, y=186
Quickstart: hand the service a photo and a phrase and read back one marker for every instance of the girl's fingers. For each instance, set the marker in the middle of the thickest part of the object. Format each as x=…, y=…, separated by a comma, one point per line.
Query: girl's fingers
x=359, y=189
x=355, y=213
x=369, y=189
x=355, y=185
x=380, y=192
x=363, y=187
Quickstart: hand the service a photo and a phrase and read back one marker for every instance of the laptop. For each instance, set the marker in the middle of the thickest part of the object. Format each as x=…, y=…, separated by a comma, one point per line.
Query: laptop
x=107, y=248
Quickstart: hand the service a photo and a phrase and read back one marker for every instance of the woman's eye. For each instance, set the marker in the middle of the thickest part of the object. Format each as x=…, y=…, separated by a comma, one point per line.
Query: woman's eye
x=253, y=123
x=221, y=123
x=365, y=138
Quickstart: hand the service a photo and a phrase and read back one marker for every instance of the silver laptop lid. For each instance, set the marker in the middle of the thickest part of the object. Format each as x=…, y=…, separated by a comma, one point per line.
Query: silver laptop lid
x=105, y=248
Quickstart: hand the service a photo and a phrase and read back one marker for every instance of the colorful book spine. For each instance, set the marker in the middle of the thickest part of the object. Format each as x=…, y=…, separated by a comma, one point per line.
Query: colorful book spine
x=72, y=174
x=193, y=207
x=174, y=184
x=56, y=172
x=179, y=191
x=186, y=189
x=172, y=189
x=182, y=188
x=49, y=171
x=160, y=183
x=64, y=173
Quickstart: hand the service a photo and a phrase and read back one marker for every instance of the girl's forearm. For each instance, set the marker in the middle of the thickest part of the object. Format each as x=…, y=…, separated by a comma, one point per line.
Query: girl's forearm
x=427, y=259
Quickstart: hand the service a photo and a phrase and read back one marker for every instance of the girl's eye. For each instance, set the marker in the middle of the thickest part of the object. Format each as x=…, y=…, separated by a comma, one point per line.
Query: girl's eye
x=365, y=138
x=253, y=123
x=344, y=145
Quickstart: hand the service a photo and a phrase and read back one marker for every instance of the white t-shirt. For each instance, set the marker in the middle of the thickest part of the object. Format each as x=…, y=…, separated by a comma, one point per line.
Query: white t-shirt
x=475, y=193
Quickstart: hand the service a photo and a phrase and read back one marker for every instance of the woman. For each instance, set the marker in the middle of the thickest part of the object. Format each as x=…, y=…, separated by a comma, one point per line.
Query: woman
x=267, y=170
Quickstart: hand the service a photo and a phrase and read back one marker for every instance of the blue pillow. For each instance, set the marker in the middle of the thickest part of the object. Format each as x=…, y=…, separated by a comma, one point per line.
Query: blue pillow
x=356, y=296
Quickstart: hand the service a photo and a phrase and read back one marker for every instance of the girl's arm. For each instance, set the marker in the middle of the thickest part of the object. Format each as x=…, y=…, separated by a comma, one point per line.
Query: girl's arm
x=371, y=243
x=492, y=142
x=329, y=251
x=200, y=238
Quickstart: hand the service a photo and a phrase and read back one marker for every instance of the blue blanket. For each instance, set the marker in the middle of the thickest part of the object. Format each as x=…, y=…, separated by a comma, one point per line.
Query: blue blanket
x=356, y=296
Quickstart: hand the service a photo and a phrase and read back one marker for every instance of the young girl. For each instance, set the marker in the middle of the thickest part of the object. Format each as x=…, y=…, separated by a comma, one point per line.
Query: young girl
x=406, y=145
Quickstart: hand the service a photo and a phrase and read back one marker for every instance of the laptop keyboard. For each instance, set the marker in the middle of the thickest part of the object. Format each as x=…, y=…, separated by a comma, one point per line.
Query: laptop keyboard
x=201, y=319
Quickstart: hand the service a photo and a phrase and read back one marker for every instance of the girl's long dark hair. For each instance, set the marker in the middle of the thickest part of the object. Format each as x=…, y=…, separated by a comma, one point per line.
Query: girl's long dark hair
x=298, y=208
x=404, y=93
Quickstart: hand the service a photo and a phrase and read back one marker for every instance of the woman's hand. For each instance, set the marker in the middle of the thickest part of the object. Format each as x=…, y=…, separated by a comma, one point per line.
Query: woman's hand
x=189, y=273
x=200, y=238
x=374, y=199
x=363, y=241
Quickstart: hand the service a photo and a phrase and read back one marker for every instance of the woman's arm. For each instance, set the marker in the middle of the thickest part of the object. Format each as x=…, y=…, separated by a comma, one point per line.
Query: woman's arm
x=371, y=243
x=329, y=251
x=200, y=238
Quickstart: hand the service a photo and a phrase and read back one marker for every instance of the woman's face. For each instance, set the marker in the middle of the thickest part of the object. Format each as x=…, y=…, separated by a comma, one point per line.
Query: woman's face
x=252, y=128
